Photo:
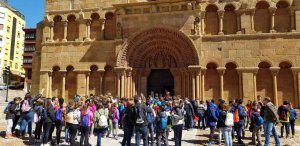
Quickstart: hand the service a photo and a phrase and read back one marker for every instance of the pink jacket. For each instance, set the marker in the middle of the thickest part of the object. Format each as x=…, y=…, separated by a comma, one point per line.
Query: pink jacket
x=91, y=115
x=116, y=115
x=93, y=108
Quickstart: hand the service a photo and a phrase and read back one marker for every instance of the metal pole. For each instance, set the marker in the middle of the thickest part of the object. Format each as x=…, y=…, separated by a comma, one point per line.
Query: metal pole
x=7, y=79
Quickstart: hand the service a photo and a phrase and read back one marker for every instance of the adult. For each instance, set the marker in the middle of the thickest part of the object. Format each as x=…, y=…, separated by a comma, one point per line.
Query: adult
x=100, y=121
x=48, y=116
x=284, y=118
x=293, y=118
x=271, y=118
x=177, y=122
x=10, y=115
x=189, y=113
x=212, y=118
x=240, y=114
x=128, y=124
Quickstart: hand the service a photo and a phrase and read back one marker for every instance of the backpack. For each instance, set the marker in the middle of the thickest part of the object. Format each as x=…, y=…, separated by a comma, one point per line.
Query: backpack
x=139, y=117
x=128, y=118
x=85, y=120
x=163, y=122
x=150, y=117
x=236, y=116
x=229, y=119
x=258, y=120
x=283, y=115
x=25, y=106
x=6, y=110
x=58, y=115
x=102, y=121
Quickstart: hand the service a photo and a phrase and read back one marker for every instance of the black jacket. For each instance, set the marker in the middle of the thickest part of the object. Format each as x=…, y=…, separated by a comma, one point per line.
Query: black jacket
x=50, y=114
x=143, y=113
x=11, y=111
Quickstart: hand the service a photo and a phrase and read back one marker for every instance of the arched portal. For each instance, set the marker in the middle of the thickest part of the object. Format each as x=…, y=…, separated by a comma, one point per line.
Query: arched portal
x=153, y=49
x=264, y=81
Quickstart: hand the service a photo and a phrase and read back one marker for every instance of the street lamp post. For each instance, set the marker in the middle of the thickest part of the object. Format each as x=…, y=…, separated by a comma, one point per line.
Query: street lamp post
x=7, y=73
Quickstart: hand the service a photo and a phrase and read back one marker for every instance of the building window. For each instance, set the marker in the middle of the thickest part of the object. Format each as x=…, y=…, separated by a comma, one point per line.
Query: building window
x=18, y=45
x=8, y=29
x=9, y=18
x=2, y=15
x=16, y=66
x=29, y=48
x=1, y=26
x=27, y=60
x=1, y=38
x=18, y=35
x=5, y=62
x=29, y=35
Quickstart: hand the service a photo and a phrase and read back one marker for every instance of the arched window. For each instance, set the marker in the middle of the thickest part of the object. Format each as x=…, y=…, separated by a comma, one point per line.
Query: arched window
x=285, y=84
x=282, y=17
x=96, y=26
x=211, y=20
x=73, y=28
x=110, y=26
x=262, y=17
x=58, y=28
x=212, y=82
x=231, y=82
x=264, y=81
x=229, y=21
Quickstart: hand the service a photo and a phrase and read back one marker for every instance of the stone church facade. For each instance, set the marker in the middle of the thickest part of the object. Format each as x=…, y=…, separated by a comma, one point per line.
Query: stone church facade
x=199, y=49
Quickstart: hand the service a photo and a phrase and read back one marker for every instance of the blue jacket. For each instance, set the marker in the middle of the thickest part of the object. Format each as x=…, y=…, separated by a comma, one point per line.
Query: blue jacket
x=294, y=114
x=212, y=114
x=242, y=113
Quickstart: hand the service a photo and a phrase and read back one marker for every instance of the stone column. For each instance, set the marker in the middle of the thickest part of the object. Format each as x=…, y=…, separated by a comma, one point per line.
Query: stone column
x=87, y=84
x=272, y=25
x=295, y=71
x=240, y=73
x=202, y=23
x=51, y=32
x=120, y=75
x=188, y=85
x=194, y=72
x=101, y=72
x=88, y=30
x=252, y=13
x=134, y=73
x=183, y=91
x=102, y=29
x=50, y=84
x=198, y=88
x=65, y=31
x=203, y=70
x=63, y=88
x=238, y=19
x=221, y=16
x=248, y=76
x=275, y=71
x=254, y=83
x=128, y=85
x=292, y=15
x=221, y=71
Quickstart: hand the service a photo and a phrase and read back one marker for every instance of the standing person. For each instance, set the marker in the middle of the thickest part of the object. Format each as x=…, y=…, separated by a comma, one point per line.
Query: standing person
x=225, y=123
x=239, y=115
x=72, y=120
x=100, y=121
x=93, y=109
x=115, y=120
x=38, y=109
x=48, y=117
x=55, y=104
x=141, y=122
x=256, y=124
x=189, y=113
x=59, y=119
x=10, y=115
x=128, y=124
x=17, y=117
x=85, y=124
x=271, y=118
x=150, y=119
x=177, y=122
x=200, y=112
x=293, y=118
x=161, y=128
x=212, y=118
x=284, y=118
x=249, y=112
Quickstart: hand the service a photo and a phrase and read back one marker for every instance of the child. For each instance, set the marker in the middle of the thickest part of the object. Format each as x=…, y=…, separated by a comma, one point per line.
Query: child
x=161, y=128
x=85, y=125
x=115, y=119
x=293, y=118
x=256, y=123
x=10, y=115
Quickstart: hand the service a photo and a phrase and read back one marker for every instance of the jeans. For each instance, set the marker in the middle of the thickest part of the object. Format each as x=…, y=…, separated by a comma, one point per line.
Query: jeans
x=46, y=131
x=73, y=130
x=238, y=128
x=58, y=126
x=151, y=131
x=51, y=131
x=27, y=120
x=99, y=133
x=16, y=119
x=67, y=134
x=226, y=131
x=177, y=134
x=201, y=120
x=256, y=136
x=115, y=129
x=9, y=126
x=212, y=134
x=161, y=135
x=270, y=127
x=141, y=131
x=189, y=122
x=38, y=130
x=292, y=123
x=84, y=138
x=128, y=131
x=285, y=125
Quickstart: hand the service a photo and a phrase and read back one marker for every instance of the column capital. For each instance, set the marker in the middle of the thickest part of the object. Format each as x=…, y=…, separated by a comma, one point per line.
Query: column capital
x=221, y=70
x=120, y=71
x=292, y=11
x=51, y=24
x=239, y=11
x=221, y=14
x=202, y=14
x=272, y=10
x=274, y=70
x=50, y=73
x=65, y=23
x=252, y=11
x=88, y=22
x=88, y=73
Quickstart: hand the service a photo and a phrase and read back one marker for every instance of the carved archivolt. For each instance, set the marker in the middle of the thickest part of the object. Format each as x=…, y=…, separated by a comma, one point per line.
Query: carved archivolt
x=158, y=48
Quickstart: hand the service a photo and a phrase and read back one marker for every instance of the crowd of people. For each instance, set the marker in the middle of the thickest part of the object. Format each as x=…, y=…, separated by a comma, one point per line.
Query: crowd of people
x=148, y=118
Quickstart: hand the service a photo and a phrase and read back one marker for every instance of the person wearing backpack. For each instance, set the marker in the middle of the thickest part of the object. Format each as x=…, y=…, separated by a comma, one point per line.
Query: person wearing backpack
x=59, y=119
x=239, y=115
x=38, y=109
x=141, y=123
x=150, y=119
x=212, y=118
x=10, y=111
x=271, y=118
x=72, y=120
x=256, y=122
x=161, y=128
x=177, y=122
x=225, y=123
x=128, y=124
x=85, y=123
x=115, y=119
x=284, y=118
x=100, y=121
x=200, y=112
x=293, y=118
x=49, y=119
x=189, y=110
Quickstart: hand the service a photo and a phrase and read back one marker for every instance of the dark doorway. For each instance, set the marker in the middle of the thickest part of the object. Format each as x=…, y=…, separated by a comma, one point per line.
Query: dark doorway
x=160, y=80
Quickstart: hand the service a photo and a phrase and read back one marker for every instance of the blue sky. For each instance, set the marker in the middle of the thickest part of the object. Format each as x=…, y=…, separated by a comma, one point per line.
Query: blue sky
x=32, y=9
